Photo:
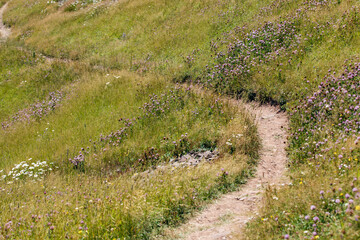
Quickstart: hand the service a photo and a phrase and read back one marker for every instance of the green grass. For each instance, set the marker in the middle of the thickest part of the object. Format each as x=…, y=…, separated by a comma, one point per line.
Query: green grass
x=27, y=78
x=146, y=44
x=97, y=103
x=137, y=35
x=93, y=101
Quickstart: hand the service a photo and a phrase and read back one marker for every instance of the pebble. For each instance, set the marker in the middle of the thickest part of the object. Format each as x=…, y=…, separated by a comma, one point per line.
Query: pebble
x=194, y=158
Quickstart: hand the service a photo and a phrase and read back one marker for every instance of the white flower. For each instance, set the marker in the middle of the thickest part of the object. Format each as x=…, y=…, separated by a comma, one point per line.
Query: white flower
x=239, y=135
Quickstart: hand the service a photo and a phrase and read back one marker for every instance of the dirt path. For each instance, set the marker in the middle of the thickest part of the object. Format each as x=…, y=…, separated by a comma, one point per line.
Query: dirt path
x=229, y=214
x=4, y=31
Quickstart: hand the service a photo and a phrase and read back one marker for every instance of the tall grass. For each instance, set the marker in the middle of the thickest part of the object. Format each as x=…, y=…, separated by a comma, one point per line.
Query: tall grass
x=277, y=52
x=305, y=60
x=137, y=35
x=100, y=138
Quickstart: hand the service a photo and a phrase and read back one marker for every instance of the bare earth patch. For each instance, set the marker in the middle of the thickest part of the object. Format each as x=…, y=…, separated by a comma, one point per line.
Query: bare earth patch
x=229, y=214
x=4, y=31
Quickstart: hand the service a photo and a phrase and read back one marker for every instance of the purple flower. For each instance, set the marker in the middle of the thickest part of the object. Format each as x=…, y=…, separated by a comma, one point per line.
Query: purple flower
x=312, y=207
x=337, y=200
x=307, y=217
x=286, y=236
x=316, y=219
x=8, y=225
x=355, y=189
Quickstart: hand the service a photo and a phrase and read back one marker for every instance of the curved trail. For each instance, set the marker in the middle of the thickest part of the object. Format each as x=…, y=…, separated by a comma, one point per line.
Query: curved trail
x=4, y=31
x=229, y=214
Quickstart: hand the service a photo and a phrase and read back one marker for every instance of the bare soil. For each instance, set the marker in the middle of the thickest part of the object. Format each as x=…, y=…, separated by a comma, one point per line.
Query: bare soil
x=4, y=31
x=226, y=217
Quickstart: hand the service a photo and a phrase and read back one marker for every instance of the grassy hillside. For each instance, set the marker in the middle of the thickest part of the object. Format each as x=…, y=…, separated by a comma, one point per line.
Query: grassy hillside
x=85, y=148
x=137, y=35
x=94, y=136
x=126, y=58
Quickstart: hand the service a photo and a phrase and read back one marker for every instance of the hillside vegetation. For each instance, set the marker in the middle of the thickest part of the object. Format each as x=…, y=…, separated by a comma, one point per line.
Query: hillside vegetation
x=91, y=94
x=85, y=147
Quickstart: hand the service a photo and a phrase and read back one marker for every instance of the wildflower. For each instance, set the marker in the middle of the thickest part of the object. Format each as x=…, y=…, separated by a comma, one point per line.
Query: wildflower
x=286, y=236
x=8, y=225
x=312, y=207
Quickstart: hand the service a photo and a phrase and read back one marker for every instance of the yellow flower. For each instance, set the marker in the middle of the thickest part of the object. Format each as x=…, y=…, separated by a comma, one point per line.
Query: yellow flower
x=80, y=232
x=357, y=208
x=301, y=182
x=317, y=236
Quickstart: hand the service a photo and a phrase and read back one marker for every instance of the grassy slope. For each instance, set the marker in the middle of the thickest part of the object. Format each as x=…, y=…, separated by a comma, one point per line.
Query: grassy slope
x=324, y=115
x=27, y=78
x=325, y=35
x=156, y=34
x=112, y=199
